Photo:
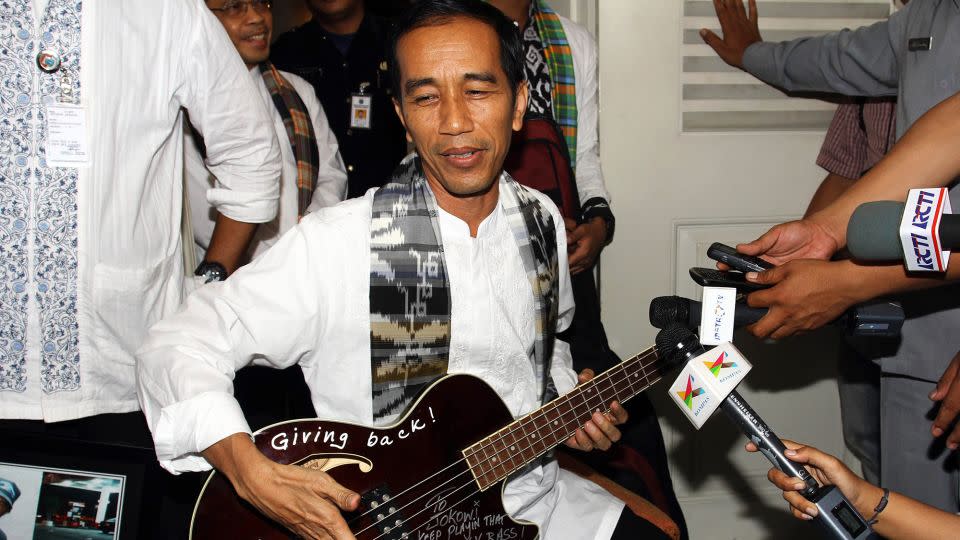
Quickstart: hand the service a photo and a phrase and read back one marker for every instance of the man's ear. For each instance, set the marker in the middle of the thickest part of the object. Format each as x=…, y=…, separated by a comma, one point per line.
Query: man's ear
x=520, y=105
x=399, y=110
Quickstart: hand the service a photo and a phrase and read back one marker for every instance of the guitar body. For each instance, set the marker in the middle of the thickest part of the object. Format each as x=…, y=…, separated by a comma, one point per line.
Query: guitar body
x=411, y=476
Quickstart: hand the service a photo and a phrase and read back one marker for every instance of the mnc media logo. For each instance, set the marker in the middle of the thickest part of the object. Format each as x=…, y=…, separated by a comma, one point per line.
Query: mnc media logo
x=690, y=393
x=720, y=363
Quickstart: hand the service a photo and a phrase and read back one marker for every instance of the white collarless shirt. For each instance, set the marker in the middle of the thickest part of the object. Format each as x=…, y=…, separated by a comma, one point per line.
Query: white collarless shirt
x=295, y=305
x=93, y=256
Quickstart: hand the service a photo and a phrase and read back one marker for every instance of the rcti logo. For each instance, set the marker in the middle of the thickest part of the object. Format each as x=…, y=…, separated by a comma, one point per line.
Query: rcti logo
x=720, y=363
x=690, y=393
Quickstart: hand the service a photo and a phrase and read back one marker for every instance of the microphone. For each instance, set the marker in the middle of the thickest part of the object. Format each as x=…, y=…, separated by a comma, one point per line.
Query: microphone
x=878, y=318
x=836, y=517
x=920, y=232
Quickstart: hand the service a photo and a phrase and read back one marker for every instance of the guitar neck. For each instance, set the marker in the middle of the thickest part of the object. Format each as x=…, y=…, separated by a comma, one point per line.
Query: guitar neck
x=521, y=442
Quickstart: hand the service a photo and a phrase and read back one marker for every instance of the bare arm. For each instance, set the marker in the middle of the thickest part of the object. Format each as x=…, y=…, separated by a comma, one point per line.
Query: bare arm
x=903, y=518
x=228, y=245
x=925, y=157
x=832, y=187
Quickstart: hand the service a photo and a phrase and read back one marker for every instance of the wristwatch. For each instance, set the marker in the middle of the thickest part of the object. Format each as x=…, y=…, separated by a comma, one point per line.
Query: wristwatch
x=211, y=271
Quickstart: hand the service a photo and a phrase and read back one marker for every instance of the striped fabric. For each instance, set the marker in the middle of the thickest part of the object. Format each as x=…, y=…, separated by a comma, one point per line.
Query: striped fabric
x=560, y=60
x=299, y=128
x=409, y=296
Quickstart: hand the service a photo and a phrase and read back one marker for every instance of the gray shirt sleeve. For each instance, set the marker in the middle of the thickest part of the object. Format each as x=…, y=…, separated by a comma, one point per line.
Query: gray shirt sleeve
x=861, y=62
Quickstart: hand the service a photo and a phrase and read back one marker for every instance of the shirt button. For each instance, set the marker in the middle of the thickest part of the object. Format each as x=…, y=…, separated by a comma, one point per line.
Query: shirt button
x=350, y=168
x=344, y=64
x=349, y=131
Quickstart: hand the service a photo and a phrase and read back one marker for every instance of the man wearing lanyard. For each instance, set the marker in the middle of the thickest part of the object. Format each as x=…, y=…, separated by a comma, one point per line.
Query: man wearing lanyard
x=91, y=194
x=342, y=52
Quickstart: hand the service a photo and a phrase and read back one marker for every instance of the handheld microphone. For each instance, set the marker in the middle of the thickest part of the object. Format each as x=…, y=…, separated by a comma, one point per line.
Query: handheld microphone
x=836, y=517
x=878, y=318
x=921, y=232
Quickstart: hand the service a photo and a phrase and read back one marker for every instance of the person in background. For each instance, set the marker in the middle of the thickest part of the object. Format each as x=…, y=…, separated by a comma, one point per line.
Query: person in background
x=91, y=246
x=907, y=56
x=312, y=177
x=313, y=174
x=342, y=52
x=860, y=135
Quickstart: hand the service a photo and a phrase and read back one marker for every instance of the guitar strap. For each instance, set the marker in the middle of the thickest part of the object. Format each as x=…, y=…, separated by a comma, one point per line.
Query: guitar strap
x=409, y=293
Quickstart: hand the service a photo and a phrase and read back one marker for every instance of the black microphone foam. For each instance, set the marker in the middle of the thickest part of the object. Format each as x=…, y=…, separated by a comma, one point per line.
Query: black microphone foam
x=668, y=309
x=873, y=232
x=677, y=343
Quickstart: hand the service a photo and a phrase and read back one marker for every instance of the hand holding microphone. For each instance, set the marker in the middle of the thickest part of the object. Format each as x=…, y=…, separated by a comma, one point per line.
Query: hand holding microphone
x=699, y=394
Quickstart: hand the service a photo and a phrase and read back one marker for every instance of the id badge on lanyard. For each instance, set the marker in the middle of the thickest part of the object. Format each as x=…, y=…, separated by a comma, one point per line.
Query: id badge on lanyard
x=66, y=120
x=361, y=108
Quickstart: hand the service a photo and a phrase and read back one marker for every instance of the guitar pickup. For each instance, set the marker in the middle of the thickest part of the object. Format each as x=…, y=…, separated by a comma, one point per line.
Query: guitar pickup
x=384, y=514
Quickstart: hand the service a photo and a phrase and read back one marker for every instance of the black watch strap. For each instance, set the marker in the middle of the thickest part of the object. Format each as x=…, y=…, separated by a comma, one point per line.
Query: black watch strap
x=599, y=207
x=211, y=271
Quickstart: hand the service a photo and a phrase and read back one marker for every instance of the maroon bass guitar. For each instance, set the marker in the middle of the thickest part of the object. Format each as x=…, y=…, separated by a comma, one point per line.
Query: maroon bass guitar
x=430, y=475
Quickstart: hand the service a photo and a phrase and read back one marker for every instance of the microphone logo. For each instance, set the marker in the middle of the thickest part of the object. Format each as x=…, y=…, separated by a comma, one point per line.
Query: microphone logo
x=690, y=392
x=720, y=363
x=920, y=230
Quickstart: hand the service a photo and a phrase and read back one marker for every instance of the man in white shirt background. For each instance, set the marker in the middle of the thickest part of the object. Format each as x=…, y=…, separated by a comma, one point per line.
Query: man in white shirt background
x=313, y=176
x=250, y=26
x=91, y=176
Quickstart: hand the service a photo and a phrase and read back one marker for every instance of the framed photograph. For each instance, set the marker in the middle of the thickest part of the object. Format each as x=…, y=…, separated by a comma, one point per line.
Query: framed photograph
x=63, y=489
x=53, y=504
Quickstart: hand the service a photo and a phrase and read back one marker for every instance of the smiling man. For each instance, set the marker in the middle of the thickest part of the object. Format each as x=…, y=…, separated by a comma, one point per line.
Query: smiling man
x=313, y=175
x=452, y=267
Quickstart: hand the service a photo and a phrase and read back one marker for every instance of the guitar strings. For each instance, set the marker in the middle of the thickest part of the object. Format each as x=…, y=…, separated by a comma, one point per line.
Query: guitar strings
x=640, y=357
x=622, y=367
x=474, y=492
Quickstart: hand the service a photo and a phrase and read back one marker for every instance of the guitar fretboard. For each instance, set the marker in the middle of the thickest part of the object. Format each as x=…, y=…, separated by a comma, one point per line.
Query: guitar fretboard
x=519, y=443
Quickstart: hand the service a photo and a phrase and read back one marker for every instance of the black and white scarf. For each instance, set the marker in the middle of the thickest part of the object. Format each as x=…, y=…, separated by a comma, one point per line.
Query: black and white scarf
x=409, y=292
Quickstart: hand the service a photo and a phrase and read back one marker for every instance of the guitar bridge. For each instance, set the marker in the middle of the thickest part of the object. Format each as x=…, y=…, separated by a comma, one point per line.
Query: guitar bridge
x=384, y=514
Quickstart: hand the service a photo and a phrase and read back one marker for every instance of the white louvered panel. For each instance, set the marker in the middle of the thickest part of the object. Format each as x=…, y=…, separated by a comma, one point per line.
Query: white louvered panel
x=717, y=97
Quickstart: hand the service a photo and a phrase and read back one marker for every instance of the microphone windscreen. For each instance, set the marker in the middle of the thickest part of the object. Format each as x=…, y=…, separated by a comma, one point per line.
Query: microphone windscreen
x=668, y=309
x=873, y=233
x=670, y=338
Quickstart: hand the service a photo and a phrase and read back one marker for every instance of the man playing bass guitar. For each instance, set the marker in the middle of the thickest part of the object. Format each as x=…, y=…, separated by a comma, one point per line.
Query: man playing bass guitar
x=451, y=268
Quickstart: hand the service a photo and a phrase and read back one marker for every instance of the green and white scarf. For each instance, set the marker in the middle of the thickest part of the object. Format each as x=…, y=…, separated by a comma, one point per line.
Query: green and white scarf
x=559, y=58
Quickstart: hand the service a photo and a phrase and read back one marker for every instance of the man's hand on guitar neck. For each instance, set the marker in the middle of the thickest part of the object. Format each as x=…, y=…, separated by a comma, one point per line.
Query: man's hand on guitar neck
x=601, y=431
x=307, y=502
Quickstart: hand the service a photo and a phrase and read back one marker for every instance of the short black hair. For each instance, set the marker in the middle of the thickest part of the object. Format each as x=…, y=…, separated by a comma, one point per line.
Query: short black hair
x=435, y=12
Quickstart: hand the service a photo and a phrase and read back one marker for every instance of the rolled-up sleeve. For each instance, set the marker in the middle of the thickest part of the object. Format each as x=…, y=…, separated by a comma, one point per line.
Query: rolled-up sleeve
x=241, y=145
x=266, y=313
x=861, y=62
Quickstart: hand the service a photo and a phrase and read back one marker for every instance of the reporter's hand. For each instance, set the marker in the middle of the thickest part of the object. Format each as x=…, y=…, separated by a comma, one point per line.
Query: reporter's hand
x=948, y=394
x=306, y=501
x=740, y=30
x=806, y=295
x=584, y=243
x=801, y=239
x=601, y=430
x=826, y=469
